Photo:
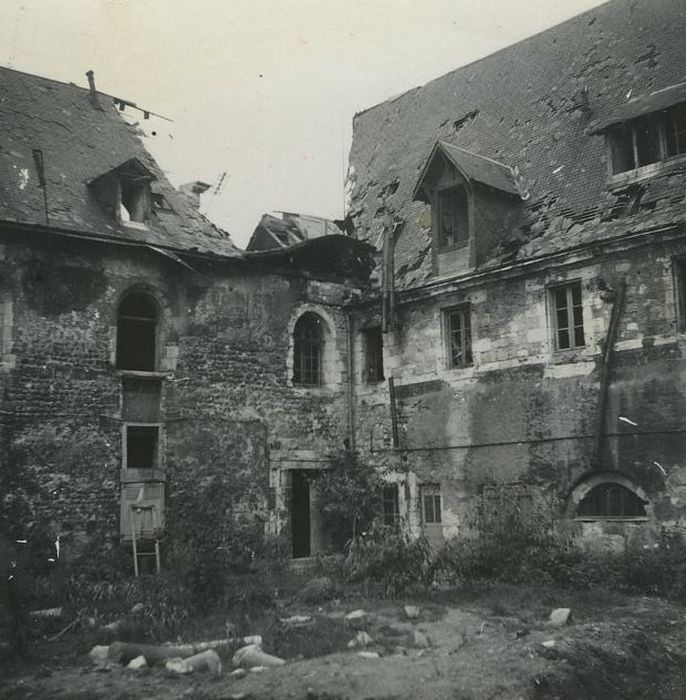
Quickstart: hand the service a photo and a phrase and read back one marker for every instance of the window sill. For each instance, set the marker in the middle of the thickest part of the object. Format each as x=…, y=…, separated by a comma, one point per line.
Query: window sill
x=141, y=375
x=138, y=225
x=136, y=476
x=619, y=180
x=611, y=519
x=449, y=249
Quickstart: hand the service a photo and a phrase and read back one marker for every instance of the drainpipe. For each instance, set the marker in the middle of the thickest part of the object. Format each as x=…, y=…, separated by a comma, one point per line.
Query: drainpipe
x=605, y=367
x=350, y=327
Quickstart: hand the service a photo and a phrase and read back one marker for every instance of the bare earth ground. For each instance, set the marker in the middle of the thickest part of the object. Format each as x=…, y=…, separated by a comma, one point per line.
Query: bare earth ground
x=485, y=646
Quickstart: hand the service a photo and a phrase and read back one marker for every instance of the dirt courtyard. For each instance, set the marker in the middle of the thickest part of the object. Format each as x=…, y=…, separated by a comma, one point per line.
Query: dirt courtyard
x=500, y=644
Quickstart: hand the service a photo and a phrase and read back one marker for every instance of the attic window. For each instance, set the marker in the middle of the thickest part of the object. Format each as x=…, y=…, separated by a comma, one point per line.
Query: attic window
x=134, y=202
x=451, y=205
x=648, y=139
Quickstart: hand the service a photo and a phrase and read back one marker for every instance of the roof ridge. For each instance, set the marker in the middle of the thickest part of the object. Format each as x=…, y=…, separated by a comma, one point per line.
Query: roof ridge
x=490, y=55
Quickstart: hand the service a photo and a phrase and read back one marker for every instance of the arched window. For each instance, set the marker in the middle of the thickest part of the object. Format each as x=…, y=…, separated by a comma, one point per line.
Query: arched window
x=308, y=350
x=611, y=500
x=137, y=332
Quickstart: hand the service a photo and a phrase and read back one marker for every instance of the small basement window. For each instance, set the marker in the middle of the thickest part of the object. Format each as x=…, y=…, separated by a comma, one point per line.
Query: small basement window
x=611, y=500
x=568, y=319
x=458, y=331
x=648, y=139
x=452, y=208
x=373, y=355
x=142, y=446
x=137, y=321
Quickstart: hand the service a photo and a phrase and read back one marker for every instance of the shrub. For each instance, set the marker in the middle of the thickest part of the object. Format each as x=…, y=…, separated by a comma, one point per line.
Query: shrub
x=389, y=559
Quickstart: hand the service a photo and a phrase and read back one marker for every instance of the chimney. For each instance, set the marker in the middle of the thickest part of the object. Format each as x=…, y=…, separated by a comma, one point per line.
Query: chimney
x=193, y=190
x=93, y=93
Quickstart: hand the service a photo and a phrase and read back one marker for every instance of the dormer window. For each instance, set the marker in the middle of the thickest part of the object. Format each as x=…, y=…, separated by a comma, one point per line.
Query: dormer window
x=649, y=139
x=124, y=193
x=463, y=188
x=453, y=224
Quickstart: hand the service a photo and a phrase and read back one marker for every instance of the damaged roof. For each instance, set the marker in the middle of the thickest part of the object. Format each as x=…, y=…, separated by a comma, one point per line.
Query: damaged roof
x=534, y=107
x=82, y=139
x=291, y=229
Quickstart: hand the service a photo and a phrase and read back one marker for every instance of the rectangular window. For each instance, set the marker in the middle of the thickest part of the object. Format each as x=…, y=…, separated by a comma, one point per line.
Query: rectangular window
x=568, y=318
x=431, y=504
x=649, y=139
x=373, y=355
x=453, y=227
x=458, y=331
x=390, y=509
x=142, y=446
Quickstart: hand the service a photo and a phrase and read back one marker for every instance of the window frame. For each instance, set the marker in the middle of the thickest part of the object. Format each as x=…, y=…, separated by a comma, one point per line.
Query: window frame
x=431, y=491
x=157, y=465
x=390, y=517
x=464, y=311
x=461, y=200
x=302, y=365
x=664, y=122
x=679, y=280
x=571, y=327
x=610, y=501
x=155, y=321
x=373, y=355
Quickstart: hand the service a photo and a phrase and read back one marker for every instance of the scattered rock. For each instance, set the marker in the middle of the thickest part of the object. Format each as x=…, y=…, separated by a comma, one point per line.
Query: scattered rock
x=138, y=663
x=252, y=656
x=99, y=653
x=137, y=608
x=258, y=669
x=357, y=619
x=238, y=673
x=113, y=626
x=369, y=654
x=178, y=665
x=361, y=639
x=296, y=620
x=548, y=650
x=560, y=617
x=411, y=612
x=317, y=590
x=206, y=660
x=420, y=640
x=400, y=651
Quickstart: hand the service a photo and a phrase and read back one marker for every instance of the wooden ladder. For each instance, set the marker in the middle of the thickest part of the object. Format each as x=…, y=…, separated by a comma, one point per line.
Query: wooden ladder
x=138, y=512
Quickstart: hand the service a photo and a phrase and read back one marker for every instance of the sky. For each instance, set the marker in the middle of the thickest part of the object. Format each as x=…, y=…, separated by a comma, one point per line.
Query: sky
x=262, y=90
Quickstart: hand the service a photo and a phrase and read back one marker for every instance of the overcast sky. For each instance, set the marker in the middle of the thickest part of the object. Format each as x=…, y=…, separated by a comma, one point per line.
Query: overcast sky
x=262, y=89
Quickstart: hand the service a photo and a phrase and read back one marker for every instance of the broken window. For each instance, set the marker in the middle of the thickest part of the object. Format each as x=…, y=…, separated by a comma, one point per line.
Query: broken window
x=568, y=316
x=431, y=504
x=373, y=355
x=649, y=139
x=142, y=446
x=458, y=330
x=611, y=500
x=137, y=333
x=452, y=217
x=308, y=346
x=390, y=509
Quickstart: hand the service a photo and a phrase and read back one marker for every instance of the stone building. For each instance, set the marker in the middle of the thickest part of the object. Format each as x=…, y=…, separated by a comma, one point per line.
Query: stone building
x=146, y=362
x=531, y=206
x=523, y=323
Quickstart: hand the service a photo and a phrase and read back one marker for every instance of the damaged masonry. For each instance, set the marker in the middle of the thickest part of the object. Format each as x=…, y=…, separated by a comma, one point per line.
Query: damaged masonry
x=504, y=303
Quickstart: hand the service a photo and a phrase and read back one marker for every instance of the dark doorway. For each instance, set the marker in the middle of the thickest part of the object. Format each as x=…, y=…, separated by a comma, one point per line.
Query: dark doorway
x=300, y=513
